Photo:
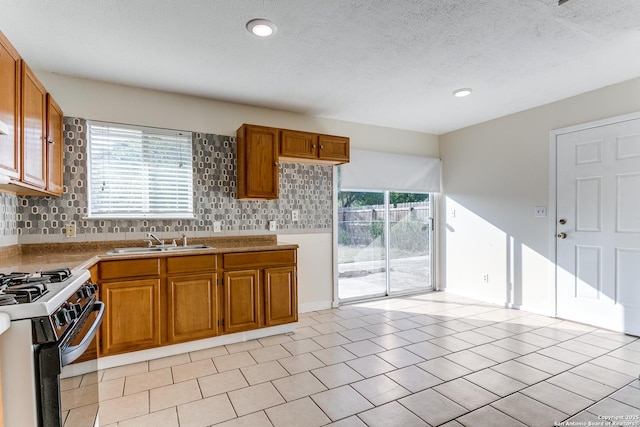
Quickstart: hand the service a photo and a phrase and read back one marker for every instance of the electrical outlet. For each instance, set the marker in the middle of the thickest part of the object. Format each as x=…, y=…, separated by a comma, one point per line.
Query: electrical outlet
x=452, y=214
x=272, y=225
x=217, y=226
x=295, y=215
x=540, y=211
x=485, y=278
x=70, y=230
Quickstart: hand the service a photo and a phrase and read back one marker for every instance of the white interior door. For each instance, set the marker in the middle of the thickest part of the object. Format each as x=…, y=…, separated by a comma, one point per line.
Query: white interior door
x=598, y=226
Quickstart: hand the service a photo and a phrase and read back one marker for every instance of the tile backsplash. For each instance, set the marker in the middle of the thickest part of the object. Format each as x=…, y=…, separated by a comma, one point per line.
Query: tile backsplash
x=307, y=188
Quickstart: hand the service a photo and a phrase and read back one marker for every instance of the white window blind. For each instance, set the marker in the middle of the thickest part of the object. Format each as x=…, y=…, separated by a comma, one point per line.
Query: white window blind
x=139, y=172
x=375, y=171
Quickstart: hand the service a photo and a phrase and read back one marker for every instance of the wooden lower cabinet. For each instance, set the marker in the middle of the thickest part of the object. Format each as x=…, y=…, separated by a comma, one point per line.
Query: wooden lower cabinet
x=280, y=296
x=241, y=300
x=191, y=307
x=151, y=302
x=260, y=289
x=132, y=317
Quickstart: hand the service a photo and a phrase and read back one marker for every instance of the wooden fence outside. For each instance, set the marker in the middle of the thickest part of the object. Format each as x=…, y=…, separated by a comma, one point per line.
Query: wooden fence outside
x=362, y=225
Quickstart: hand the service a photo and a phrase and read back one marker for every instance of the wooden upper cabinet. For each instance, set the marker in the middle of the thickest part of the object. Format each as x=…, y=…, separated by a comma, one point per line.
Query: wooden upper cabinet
x=9, y=109
x=306, y=147
x=260, y=148
x=257, y=162
x=31, y=152
x=298, y=145
x=33, y=117
x=333, y=148
x=55, y=145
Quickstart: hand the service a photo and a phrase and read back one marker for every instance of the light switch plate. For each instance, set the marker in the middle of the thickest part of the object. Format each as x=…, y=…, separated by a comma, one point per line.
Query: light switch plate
x=217, y=226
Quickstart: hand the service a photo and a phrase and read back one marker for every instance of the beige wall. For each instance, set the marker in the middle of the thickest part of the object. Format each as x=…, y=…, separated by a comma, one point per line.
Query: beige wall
x=494, y=175
x=124, y=104
x=102, y=101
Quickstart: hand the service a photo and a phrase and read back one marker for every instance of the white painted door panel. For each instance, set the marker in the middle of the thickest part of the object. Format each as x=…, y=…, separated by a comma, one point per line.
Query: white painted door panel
x=598, y=197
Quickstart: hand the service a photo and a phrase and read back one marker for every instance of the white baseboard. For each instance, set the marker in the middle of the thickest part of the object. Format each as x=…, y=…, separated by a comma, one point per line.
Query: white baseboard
x=314, y=306
x=530, y=309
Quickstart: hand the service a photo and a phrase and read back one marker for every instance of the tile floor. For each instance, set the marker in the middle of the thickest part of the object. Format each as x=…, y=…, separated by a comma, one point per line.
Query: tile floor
x=428, y=360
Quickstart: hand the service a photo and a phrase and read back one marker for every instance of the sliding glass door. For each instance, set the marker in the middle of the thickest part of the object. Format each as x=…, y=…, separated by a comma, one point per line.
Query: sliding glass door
x=409, y=242
x=384, y=243
x=362, y=262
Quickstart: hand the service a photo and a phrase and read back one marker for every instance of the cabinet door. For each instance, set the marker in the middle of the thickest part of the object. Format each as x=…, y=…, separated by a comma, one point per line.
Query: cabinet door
x=280, y=294
x=191, y=307
x=9, y=109
x=294, y=144
x=132, y=317
x=334, y=148
x=55, y=143
x=241, y=300
x=34, y=149
x=257, y=162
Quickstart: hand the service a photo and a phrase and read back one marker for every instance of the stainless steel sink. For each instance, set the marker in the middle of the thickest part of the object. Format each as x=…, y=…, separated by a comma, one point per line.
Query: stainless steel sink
x=159, y=248
x=186, y=248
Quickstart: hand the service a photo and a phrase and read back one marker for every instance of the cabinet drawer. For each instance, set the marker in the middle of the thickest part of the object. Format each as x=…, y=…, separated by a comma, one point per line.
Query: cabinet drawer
x=191, y=263
x=129, y=268
x=259, y=259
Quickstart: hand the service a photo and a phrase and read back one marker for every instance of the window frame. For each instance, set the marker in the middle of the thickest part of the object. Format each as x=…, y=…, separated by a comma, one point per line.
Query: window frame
x=147, y=132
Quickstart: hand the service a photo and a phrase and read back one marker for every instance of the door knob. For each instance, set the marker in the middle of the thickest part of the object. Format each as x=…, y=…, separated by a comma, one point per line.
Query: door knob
x=562, y=235
x=562, y=221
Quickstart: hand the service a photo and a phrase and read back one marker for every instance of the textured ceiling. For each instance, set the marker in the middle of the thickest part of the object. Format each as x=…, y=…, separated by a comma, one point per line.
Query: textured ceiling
x=391, y=63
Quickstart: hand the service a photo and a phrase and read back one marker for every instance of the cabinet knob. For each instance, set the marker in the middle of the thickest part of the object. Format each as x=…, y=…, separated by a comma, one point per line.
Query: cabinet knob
x=322, y=146
x=313, y=145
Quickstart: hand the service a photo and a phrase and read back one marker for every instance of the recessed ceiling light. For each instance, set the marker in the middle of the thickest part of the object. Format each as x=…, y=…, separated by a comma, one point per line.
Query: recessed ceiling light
x=262, y=27
x=460, y=93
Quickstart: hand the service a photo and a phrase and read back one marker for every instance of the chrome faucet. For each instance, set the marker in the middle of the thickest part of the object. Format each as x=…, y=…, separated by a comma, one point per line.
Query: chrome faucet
x=154, y=237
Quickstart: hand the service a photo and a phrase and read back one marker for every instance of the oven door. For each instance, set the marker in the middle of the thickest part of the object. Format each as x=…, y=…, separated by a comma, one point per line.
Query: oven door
x=70, y=402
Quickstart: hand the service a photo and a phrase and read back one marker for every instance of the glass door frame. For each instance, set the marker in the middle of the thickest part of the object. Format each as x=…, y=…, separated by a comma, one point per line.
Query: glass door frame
x=387, y=232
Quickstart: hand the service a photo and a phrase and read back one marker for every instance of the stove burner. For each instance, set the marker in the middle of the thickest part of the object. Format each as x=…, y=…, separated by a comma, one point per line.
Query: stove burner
x=7, y=299
x=57, y=275
x=20, y=288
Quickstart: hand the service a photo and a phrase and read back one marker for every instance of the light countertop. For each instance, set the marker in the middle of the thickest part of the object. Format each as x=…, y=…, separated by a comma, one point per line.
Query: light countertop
x=37, y=257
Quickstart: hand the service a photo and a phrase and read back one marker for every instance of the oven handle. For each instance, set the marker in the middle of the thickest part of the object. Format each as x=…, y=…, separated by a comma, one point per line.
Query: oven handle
x=71, y=353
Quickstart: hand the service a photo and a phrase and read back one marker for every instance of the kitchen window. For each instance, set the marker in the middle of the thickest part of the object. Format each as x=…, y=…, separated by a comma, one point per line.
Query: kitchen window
x=139, y=172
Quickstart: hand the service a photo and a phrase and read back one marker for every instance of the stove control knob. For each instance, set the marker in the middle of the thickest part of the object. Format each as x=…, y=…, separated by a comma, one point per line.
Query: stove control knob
x=93, y=288
x=62, y=317
x=75, y=311
x=81, y=293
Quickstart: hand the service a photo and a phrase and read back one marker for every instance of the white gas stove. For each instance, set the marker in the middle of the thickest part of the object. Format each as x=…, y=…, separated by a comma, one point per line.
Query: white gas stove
x=50, y=328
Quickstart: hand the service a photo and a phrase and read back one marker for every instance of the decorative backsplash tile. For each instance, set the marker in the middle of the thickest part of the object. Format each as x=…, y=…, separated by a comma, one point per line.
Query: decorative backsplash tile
x=307, y=188
x=8, y=215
